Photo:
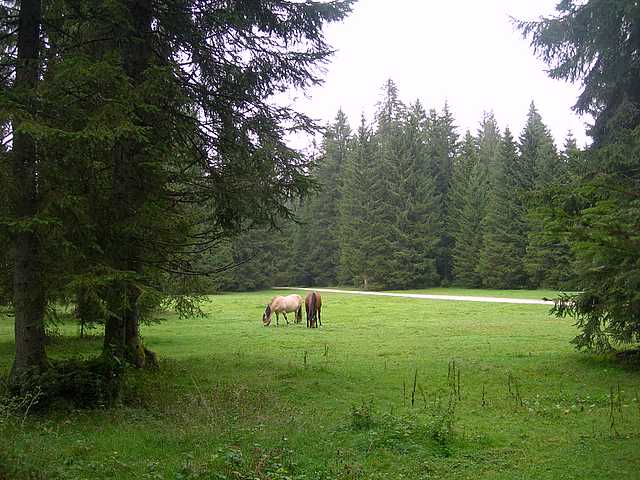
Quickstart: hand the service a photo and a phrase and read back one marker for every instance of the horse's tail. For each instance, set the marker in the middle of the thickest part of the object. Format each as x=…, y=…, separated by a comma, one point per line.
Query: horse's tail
x=266, y=316
x=312, y=307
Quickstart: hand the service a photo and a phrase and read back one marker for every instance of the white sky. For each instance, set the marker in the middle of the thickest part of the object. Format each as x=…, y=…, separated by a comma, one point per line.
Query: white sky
x=466, y=52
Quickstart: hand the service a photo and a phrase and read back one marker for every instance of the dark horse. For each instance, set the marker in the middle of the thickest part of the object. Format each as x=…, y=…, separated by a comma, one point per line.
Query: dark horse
x=313, y=304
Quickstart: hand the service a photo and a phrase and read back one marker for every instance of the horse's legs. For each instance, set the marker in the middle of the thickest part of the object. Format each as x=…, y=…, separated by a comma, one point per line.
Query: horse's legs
x=285, y=317
x=277, y=318
x=319, y=319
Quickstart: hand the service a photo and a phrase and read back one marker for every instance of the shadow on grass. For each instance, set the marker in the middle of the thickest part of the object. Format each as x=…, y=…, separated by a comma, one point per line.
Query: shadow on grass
x=624, y=360
x=7, y=350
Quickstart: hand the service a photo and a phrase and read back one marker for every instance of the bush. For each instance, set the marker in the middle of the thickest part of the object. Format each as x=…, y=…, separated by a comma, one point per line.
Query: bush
x=73, y=383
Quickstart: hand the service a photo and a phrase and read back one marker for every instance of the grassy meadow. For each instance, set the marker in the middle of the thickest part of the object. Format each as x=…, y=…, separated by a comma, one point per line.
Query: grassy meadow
x=387, y=388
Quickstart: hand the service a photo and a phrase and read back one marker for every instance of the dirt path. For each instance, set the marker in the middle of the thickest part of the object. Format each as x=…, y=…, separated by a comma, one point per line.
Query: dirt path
x=456, y=298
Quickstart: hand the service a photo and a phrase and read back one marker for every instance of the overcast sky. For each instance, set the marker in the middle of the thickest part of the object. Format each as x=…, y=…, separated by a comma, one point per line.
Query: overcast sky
x=465, y=52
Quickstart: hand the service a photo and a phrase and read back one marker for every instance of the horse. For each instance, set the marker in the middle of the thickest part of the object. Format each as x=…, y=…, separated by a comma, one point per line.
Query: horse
x=313, y=304
x=283, y=305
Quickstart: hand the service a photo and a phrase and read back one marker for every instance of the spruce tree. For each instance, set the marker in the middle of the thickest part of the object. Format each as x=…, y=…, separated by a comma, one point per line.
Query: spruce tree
x=571, y=155
x=540, y=168
x=29, y=290
x=351, y=206
x=6, y=260
x=419, y=217
x=391, y=253
x=317, y=244
x=257, y=258
x=161, y=162
x=597, y=42
x=301, y=244
x=363, y=248
x=463, y=166
x=442, y=141
x=504, y=226
x=473, y=203
x=538, y=155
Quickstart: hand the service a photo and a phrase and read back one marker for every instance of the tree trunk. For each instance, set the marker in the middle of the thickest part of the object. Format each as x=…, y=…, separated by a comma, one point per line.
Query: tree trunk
x=114, y=327
x=135, y=350
x=28, y=283
x=122, y=332
x=122, y=335
x=89, y=310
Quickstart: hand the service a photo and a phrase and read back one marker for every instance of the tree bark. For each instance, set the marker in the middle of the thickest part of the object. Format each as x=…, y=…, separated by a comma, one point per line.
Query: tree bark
x=28, y=282
x=114, y=331
x=122, y=334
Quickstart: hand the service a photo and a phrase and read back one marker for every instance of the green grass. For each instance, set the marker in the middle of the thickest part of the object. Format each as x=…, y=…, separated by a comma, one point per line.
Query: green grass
x=234, y=399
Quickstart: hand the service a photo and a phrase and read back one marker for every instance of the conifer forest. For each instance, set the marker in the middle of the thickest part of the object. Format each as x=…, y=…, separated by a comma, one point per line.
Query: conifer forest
x=408, y=201
x=472, y=295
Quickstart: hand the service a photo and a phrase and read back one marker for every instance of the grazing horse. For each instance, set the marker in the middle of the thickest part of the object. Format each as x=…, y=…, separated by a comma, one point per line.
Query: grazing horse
x=283, y=305
x=313, y=304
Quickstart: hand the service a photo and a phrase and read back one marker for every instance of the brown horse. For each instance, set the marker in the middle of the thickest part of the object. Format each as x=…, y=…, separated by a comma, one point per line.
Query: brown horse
x=313, y=304
x=283, y=305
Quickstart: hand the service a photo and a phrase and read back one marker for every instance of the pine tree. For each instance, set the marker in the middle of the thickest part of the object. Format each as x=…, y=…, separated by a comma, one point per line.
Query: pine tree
x=29, y=294
x=355, y=183
x=301, y=244
x=390, y=218
x=317, y=244
x=473, y=204
x=257, y=258
x=419, y=226
x=363, y=248
x=504, y=226
x=540, y=167
x=442, y=141
x=571, y=156
x=597, y=42
x=463, y=166
x=538, y=155
x=391, y=253
x=6, y=261
x=160, y=163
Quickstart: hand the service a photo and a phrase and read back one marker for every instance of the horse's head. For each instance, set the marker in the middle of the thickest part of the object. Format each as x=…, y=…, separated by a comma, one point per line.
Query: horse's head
x=266, y=316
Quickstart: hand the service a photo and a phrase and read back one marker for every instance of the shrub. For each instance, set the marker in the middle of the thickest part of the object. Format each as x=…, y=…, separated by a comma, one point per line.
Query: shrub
x=73, y=383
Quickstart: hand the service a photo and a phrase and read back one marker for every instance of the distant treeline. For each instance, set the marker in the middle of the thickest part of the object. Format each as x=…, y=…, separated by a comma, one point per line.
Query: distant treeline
x=407, y=202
